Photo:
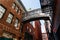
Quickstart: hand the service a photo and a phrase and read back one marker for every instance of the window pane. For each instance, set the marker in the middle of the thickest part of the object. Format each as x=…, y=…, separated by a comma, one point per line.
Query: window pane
x=16, y=23
x=19, y=11
x=2, y=10
x=32, y=23
x=9, y=19
x=43, y=26
x=16, y=8
x=1, y=14
x=10, y=15
x=13, y=6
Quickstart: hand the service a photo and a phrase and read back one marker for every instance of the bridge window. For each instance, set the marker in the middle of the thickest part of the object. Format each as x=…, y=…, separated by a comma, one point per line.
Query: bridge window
x=19, y=11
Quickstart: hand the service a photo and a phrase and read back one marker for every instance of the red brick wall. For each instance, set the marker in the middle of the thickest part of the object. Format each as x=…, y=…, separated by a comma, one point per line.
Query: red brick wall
x=10, y=27
x=36, y=32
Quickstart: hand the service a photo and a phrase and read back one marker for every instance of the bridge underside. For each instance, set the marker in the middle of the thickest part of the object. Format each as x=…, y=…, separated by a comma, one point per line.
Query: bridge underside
x=39, y=18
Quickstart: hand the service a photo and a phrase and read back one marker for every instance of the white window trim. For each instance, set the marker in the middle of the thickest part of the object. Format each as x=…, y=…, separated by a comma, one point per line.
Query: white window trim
x=13, y=5
x=9, y=18
x=16, y=23
x=2, y=11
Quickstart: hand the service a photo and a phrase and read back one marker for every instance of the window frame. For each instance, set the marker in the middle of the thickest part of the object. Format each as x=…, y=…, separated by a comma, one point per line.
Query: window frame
x=10, y=18
x=17, y=9
x=16, y=23
x=4, y=12
x=33, y=23
x=14, y=4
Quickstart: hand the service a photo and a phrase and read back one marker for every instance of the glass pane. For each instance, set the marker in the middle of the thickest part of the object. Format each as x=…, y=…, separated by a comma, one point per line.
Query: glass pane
x=32, y=23
x=2, y=9
x=16, y=23
x=16, y=8
x=13, y=6
x=1, y=14
x=9, y=19
x=43, y=26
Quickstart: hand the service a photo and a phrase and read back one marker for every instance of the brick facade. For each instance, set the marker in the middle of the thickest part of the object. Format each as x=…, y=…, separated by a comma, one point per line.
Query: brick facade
x=35, y=32
x=9, y=27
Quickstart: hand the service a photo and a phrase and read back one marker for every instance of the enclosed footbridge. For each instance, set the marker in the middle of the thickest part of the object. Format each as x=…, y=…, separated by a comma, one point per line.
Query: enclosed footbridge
x=35, y=14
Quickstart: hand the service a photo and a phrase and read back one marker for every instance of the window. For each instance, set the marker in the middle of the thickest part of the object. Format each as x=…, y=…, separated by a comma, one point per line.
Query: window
x=32, y=23
x=9, y=19
x=13, y=5
x=19, y=11
x=2, y=11
x=16, y=23
x=43, y=26
x=16, y=9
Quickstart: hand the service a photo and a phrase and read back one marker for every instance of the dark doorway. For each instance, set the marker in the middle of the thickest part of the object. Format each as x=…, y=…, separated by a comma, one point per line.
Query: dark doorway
x=58, y=33
x=28, y=36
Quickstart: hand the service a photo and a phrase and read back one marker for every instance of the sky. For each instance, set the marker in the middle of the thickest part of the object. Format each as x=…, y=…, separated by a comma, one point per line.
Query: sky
x=31, y=4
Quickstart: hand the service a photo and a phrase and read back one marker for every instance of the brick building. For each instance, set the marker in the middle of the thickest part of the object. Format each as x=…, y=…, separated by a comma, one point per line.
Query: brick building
x=10, y=18
x=32, y=23
x=33, y=29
